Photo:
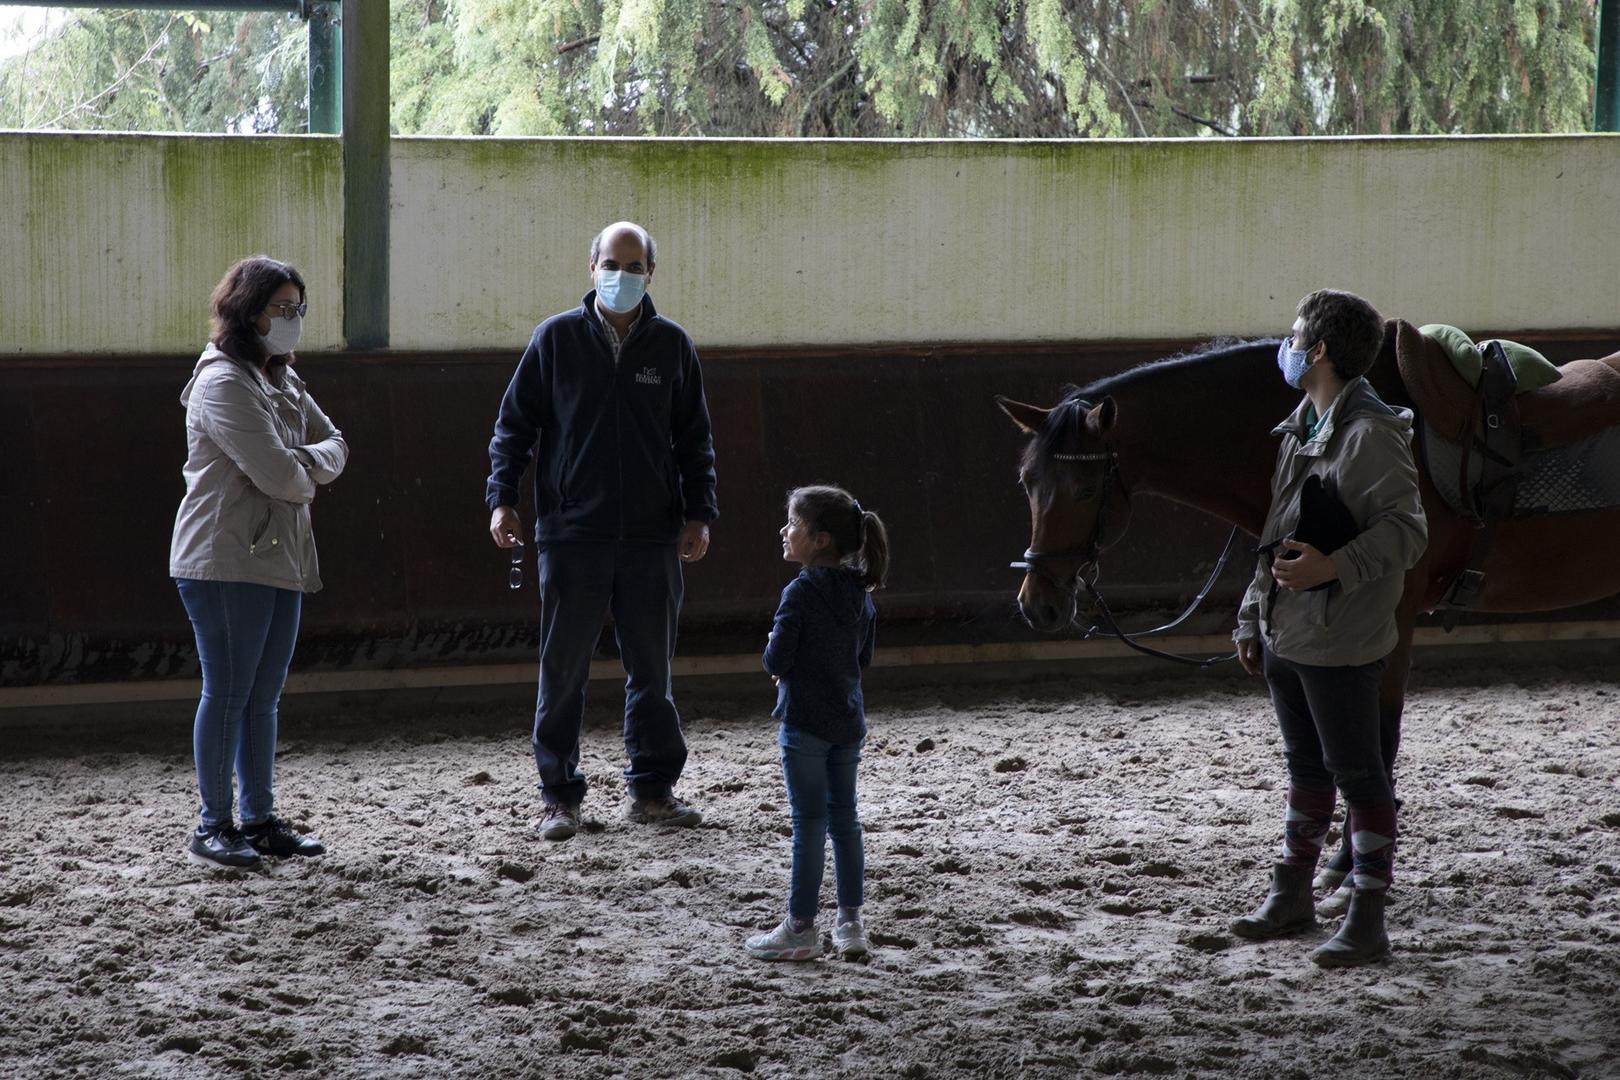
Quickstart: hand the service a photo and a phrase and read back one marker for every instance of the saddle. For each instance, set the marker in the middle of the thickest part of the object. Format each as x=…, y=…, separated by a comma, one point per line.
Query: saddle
x=1581, y=403
x=1484, y=434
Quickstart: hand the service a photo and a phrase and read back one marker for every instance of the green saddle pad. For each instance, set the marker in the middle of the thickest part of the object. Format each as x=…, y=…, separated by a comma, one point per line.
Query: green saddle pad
x=1530, y=368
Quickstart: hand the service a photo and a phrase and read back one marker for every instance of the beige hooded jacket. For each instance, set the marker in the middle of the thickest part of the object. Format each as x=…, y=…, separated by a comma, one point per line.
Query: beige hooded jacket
x=255, y=451
x=1363, y=453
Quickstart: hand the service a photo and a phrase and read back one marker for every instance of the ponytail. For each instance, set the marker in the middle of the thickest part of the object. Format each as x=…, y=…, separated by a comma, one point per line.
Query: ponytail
x=874, y=556
x=858, y=535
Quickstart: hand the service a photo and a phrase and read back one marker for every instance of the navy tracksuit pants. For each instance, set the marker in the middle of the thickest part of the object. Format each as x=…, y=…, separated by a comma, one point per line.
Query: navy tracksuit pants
x=641, y=584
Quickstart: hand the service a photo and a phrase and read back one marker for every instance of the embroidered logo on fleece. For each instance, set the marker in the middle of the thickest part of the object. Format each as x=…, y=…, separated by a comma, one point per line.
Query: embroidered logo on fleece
x=649, y=376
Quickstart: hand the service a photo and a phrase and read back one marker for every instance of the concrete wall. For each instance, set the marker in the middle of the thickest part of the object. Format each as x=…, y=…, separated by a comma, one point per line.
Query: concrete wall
x=113, y=242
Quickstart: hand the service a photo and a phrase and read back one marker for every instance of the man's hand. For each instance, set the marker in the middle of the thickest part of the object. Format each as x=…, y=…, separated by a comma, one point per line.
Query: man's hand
x=694, y=541
x=506, y=528
x=1309, y=570
x=1250, y=656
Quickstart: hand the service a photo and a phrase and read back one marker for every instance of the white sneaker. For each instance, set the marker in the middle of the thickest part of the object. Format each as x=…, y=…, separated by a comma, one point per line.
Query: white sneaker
x=784, y=943
x=850, y=940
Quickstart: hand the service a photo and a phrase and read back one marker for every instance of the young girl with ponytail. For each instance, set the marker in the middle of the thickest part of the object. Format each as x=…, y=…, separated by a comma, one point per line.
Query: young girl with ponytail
x=819, y=645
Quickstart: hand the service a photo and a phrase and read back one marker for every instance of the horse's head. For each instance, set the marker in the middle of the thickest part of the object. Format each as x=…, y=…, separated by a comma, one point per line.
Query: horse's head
x=1078, y=503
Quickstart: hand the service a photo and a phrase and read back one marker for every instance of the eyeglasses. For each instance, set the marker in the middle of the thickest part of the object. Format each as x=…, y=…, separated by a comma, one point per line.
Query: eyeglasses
x=288, y=309
x=514, y=577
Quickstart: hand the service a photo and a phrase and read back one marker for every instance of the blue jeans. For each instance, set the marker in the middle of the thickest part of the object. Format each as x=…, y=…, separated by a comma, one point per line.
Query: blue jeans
x=579, y=584
x=821, y=793
x=245, y=638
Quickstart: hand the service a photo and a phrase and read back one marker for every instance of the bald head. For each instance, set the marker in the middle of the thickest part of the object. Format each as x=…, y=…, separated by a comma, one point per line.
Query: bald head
x=624, y=241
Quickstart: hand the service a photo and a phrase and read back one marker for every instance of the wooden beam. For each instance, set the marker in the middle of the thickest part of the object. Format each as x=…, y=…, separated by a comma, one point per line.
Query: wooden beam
x=899, y=656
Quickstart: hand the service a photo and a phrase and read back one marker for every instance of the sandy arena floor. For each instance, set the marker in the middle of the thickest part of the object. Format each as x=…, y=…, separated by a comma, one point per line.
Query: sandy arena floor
x=1050, y=871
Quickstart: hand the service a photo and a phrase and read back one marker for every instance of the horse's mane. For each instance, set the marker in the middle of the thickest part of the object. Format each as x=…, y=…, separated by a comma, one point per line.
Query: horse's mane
x=1068, y=415
x=1210, y=351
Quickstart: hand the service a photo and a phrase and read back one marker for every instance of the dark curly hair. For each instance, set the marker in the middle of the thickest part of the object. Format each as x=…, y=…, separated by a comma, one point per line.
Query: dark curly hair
x=1352, y=328
x=238, y=301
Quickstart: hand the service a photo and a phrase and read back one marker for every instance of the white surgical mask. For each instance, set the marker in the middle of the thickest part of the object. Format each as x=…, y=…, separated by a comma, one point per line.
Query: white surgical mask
x=619, y=290
x=283, y=336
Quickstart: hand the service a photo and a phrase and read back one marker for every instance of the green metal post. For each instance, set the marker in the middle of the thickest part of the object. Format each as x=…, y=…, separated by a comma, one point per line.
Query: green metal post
x=1606, y=109
x=365, y=173
x=325, y=69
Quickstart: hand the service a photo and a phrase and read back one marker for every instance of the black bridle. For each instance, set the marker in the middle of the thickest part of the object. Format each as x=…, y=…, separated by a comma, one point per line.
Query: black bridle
x=1089, y=552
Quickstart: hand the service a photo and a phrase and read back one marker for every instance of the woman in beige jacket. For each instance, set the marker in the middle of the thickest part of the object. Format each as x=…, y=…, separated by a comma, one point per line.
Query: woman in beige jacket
x=243, y=552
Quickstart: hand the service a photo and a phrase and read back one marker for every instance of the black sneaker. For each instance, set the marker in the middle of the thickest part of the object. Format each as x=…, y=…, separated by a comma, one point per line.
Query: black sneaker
x=222, y=847
x=275, y=837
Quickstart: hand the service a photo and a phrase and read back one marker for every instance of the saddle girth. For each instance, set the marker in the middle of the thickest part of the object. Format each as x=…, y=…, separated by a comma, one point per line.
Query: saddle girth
x=1495, y=435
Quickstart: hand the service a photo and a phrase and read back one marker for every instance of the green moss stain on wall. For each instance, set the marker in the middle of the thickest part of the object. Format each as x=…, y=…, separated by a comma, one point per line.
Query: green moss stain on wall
x=123, y=236
x=782, y=242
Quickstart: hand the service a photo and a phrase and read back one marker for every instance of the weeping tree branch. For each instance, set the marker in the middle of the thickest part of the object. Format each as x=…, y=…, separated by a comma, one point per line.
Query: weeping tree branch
x=151, y=49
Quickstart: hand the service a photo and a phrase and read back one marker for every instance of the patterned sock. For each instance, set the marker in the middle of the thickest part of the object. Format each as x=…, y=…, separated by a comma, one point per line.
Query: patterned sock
x=798, y=925
x=848, y=915
x=1308, y=813
x=1372, y=834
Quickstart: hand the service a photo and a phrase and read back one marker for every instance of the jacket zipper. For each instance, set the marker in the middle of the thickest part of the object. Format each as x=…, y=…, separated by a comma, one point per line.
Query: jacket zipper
x=618, y=420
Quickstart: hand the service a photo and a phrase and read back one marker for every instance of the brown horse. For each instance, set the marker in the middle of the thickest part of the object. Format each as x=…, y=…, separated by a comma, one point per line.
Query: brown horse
x=1197, y=430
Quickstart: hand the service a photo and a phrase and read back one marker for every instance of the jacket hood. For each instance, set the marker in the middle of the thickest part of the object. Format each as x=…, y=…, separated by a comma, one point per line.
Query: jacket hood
x=285, y=377
x=840, y=589
x=209, y=355
x=1357, y=401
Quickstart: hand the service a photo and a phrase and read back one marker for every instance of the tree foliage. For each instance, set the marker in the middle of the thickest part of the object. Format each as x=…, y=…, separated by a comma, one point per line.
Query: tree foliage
x=161, y=71
x=876, y=68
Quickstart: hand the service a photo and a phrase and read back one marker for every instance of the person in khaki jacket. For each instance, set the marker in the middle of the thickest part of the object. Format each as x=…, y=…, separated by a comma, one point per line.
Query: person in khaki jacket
x=243, y=552
x=1321, y=625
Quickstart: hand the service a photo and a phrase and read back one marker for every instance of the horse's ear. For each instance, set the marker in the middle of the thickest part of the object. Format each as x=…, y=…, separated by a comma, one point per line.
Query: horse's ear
x=1100, y=420
x=1029, y=418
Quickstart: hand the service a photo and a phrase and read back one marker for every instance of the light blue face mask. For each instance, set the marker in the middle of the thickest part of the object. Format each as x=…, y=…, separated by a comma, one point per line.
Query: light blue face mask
x=619, y=290
x=1292, y=362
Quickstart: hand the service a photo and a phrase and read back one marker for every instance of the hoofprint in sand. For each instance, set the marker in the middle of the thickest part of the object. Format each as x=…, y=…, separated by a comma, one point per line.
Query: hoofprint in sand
x=1051, y=867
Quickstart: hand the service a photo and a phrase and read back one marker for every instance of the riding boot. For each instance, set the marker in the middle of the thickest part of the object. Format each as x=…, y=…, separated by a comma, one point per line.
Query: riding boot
x=1361, y=939
x=1286, y=908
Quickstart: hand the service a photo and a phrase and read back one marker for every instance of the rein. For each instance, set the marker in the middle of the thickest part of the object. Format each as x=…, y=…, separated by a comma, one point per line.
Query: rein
x=1088, y=554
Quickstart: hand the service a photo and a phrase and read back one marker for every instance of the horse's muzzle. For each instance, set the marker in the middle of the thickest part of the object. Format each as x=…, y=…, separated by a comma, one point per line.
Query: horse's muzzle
x=1044, y=605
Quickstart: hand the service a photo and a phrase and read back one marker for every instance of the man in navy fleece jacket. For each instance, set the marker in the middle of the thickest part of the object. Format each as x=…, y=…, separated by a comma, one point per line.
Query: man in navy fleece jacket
x=608, y=402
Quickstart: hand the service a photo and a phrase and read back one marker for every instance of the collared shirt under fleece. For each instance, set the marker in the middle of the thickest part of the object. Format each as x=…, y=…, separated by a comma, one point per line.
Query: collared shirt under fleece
x=1362, y=450
x=622, y=447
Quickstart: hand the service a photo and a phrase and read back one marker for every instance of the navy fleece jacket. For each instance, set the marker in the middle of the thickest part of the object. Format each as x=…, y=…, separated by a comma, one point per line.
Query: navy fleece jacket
x=821, y=641
x=622, y=451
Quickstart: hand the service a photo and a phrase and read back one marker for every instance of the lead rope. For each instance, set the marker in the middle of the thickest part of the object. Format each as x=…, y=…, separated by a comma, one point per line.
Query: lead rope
x=1110, y=626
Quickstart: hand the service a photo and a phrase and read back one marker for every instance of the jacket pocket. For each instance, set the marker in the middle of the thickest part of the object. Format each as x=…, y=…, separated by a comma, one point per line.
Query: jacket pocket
x=1331, y=598
x=565, y=474
x=266, y=537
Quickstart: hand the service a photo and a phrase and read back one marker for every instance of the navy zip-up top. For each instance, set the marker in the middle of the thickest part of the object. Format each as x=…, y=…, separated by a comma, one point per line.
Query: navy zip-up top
x=823, y=637
x=622, y=451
